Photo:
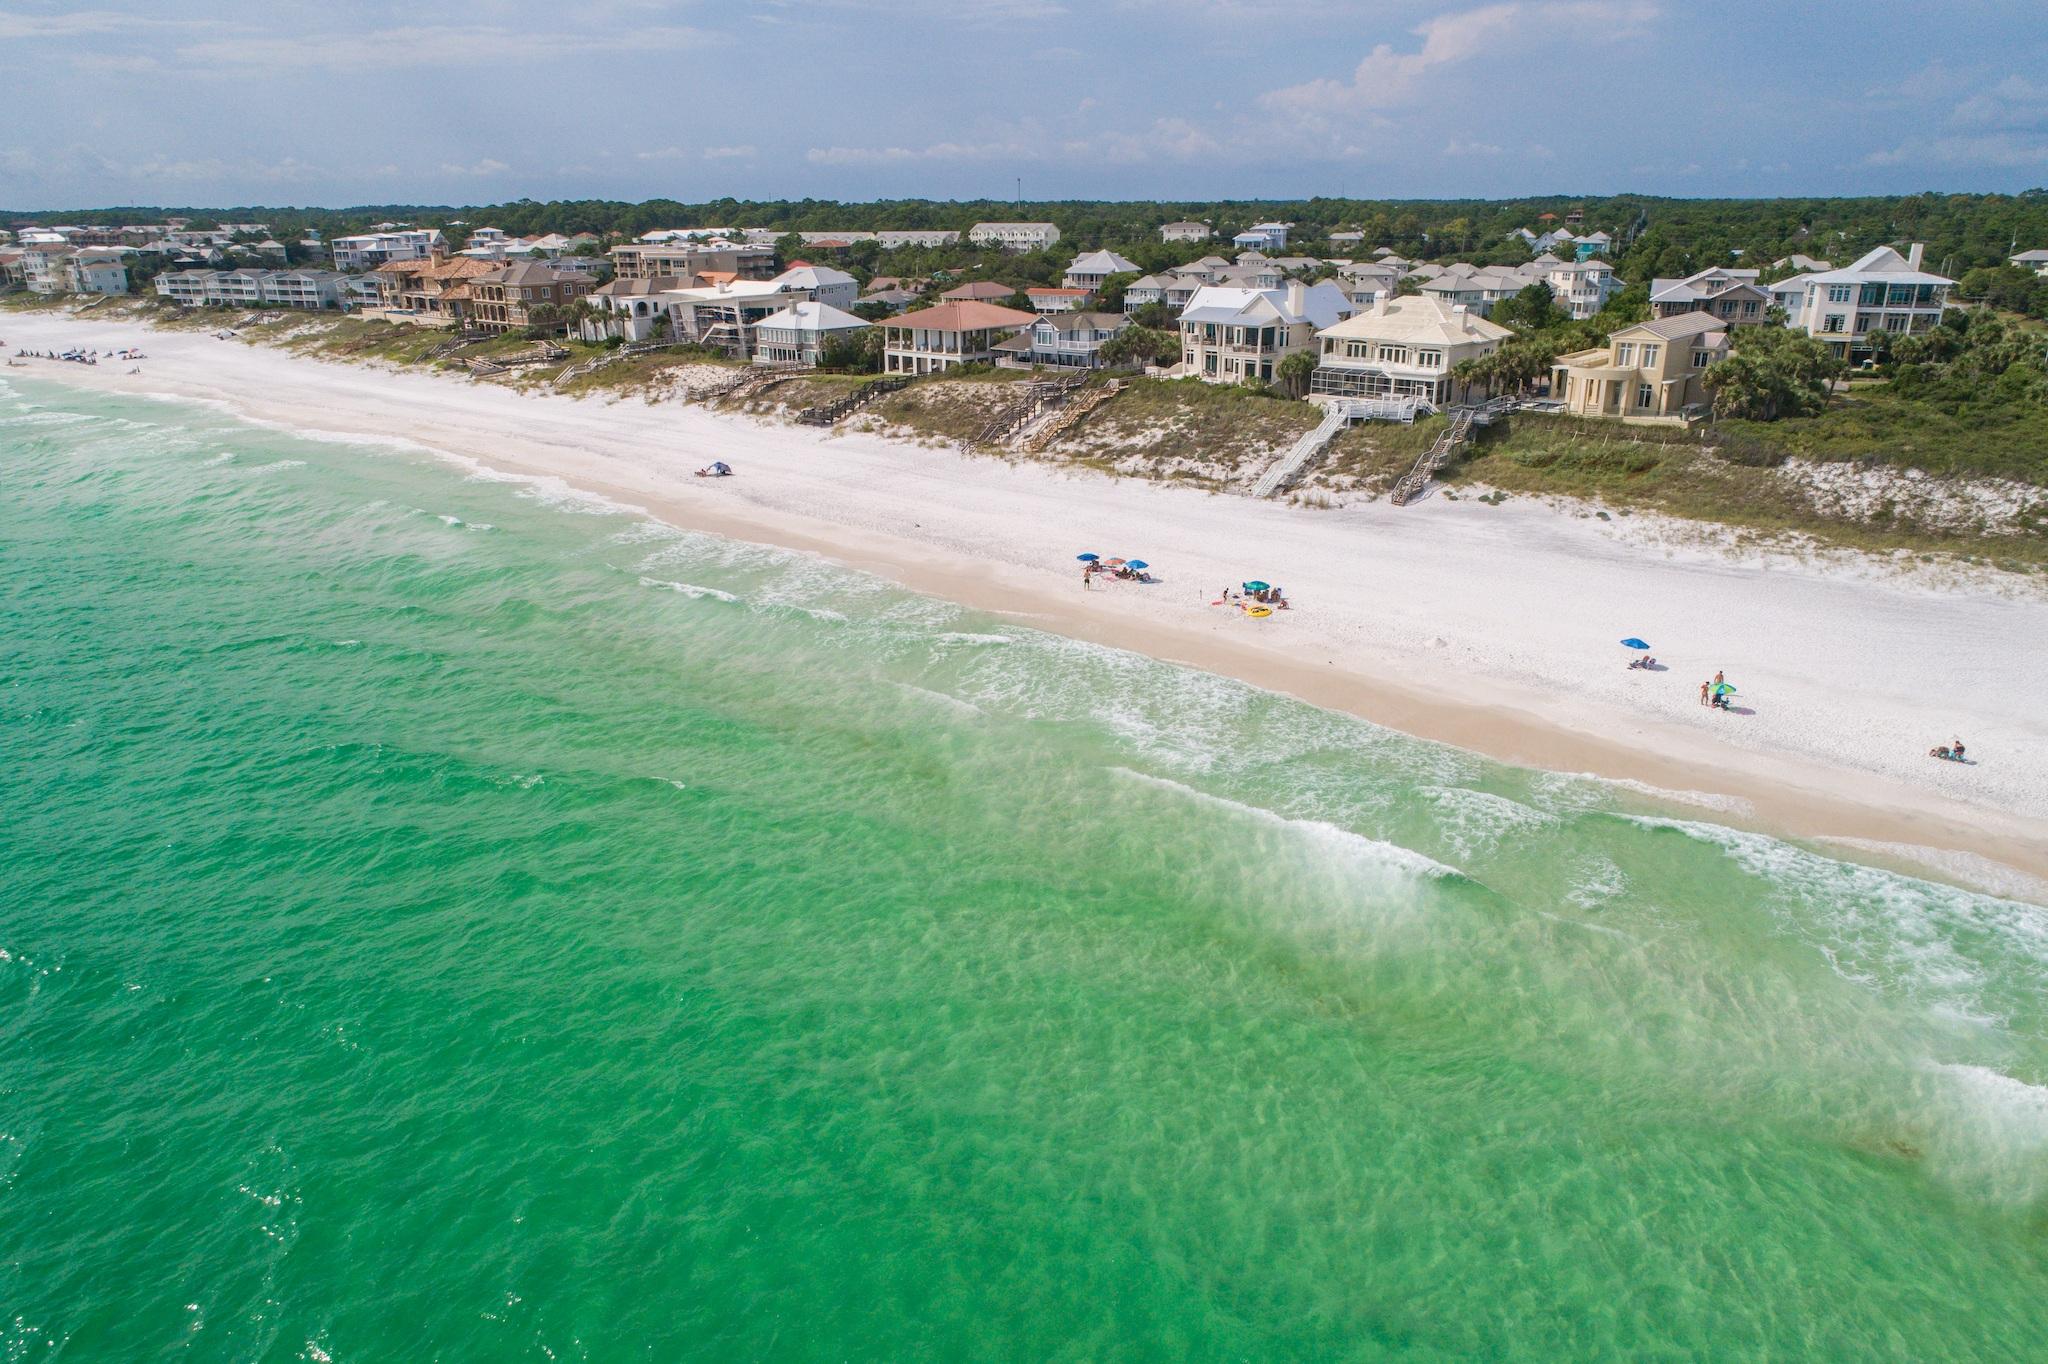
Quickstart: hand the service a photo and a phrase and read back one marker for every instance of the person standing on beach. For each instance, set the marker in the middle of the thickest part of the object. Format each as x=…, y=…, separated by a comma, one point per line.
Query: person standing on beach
x=1703, y=692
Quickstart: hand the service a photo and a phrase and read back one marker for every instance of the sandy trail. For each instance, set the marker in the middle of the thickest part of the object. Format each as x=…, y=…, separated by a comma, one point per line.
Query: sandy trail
x=1493, y=628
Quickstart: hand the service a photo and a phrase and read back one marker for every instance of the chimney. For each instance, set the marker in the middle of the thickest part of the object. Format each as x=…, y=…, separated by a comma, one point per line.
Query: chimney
x=1913, y=255
x=438, y=254
x=1464, y=316
x=1297, y=297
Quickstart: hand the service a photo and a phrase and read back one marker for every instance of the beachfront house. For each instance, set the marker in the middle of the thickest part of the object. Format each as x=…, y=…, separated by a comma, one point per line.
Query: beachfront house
x=526, y=294
x=368, y=250
x=629, y=309
x=1650, y=372
x=1881, y=290
x=1734, y=296
x=1229, y=334
x=1088, y=271
x=1402, y=348
x=45, y=265
x=184, y=287
x=932, y=340
x=1185, y=232
x=834, y=288
x=1014, y=236
x=436, y=291
x=1061, y=341
x=97, y=270
x=2037, y=261
x=797, y=334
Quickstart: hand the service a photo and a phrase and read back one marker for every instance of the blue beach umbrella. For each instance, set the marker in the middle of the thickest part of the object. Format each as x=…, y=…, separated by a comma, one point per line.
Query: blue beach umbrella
x=1087, y=558
x=1633, y=643
x=1256, y=586
x=1138, y=563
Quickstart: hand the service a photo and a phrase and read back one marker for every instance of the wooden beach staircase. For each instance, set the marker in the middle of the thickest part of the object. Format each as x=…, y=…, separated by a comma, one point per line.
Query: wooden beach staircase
x=1338, y=413
x=1465, y=421
x=1041, y=397
x=1071, y=415
x=826, y=414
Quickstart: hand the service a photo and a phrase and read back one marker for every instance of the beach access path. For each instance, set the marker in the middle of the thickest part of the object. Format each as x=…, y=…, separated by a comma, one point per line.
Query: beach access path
x=1495, y=628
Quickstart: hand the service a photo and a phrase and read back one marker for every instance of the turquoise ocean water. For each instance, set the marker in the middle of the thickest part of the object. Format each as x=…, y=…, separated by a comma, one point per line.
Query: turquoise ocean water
x=444, y=918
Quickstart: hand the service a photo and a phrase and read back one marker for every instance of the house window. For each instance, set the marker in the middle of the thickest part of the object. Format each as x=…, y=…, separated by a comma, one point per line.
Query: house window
x=1749, y=308
x=1430, y=359
x=1702, y=358
x=1838, y=293
x=1394, y=355
x=1834, y=322
x=1645, y=395
x=1650, y=353
x=1624, y=354
x=1358, y=350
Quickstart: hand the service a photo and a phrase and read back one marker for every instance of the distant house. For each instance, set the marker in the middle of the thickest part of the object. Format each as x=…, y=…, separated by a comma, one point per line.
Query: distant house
x=1014, y=236
x=1146, y=289
x=1061, y=341
x=797, y=334
x=1734, y=296
x=683, y=258
x=1401, y=348
x=1045, y=299
x=1366, y=284
x=1264, y=236
x=891, y=239
x=1229, y=335
x=1881, y=290
x=1185, y=232
x=895, y=300
x=933, y=340
x=1347, y=239
x=1650, y=372
x=427, y=290
x=1802, y=263
x=979, y=291
x=1088, y=271
x=1582, y=287
x=2037, y=261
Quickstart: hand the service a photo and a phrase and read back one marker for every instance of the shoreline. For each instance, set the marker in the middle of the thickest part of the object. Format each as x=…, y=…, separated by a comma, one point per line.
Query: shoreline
x=1432, y=620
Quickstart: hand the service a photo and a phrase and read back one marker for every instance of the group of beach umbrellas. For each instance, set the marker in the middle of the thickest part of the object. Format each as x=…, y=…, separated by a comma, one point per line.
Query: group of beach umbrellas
x=1642, y=646
x=1101, y=562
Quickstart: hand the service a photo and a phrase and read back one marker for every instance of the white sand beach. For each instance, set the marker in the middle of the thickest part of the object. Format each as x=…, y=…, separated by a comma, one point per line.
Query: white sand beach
x=1495, y=628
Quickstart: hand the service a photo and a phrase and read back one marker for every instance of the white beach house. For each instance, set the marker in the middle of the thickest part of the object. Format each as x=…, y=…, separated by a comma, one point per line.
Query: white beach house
x=1402, y=348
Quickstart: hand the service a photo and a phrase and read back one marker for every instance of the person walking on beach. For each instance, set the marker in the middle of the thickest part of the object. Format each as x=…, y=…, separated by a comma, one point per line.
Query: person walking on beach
x=1703, y=692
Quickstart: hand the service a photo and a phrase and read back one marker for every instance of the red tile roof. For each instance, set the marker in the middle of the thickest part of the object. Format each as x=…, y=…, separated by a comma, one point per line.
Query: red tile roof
x=965, y=316
x=984, y=289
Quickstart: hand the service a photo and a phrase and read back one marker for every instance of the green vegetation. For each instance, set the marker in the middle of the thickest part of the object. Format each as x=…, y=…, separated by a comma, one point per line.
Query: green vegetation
x=1774, y=372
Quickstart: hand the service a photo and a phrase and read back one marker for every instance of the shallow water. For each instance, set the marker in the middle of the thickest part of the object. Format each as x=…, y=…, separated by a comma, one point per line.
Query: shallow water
x=449, y=917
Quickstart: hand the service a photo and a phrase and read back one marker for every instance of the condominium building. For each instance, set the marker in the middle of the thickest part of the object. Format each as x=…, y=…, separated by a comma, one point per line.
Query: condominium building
x=369, y=250
x=891, y=238
x=509, y=298
x=309, y=290
x=1014, y=236
x=682, y=259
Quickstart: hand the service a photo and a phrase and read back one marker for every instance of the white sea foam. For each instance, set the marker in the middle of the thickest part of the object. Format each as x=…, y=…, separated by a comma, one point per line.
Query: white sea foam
x=949, y=702
x=689, y=589
x=1473, y=821
x=1560, y=783
x=1595, y=883
x=1353, y=848
x=969, y=637
x=1972, y=869
x=277, y=464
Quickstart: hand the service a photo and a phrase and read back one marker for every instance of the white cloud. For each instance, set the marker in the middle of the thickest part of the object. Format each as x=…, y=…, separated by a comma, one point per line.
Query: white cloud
x=1390, y=79
x=114, y=62
x=661, y=154
x=86, y=22
x=2003, y=150
x=937, y=151
x=1456, y=148
x=487, y=166
x=2013, y=103
x=434, y=45
x=739, y=153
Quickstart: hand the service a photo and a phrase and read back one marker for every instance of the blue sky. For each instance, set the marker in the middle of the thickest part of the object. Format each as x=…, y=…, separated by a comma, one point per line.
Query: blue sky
x=342, y=102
